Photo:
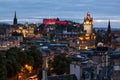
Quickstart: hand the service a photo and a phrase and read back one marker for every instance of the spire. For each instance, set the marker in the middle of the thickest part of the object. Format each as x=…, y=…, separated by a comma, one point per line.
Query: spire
x=88, y=13
x=15, y=19
x=109, y=27
x=15, y=15
x=109, y=36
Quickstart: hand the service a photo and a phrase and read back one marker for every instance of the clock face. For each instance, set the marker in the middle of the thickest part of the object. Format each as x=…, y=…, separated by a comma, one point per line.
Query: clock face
x=87, y=22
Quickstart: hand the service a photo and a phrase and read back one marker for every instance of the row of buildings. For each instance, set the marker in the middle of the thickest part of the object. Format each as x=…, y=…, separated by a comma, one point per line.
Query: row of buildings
x=102, y=63
x=79, y=41
x=82, y=36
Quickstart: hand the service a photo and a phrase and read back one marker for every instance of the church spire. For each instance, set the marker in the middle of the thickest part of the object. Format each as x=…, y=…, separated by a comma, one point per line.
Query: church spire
x=109, y=36
x=109, y=27
x=15, y=19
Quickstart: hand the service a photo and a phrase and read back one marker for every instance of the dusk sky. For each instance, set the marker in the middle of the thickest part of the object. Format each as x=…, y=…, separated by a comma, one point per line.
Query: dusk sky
x=36, y=10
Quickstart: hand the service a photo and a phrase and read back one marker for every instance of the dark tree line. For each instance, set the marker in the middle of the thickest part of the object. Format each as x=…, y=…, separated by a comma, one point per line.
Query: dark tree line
x=59, y=65
x=12, y=60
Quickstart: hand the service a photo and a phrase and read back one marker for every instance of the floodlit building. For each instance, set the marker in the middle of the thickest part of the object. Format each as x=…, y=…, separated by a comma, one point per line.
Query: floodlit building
x=87, y=40
x=88, y=23
x=27, y=31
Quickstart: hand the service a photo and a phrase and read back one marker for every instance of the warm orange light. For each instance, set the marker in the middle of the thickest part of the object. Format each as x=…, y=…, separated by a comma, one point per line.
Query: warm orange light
x=29, y=68
x=86, y=47
x=84, y=22
x=87, y=22
x=87, y=38
x=81, y=38
x=94, y=37
x=87, y=34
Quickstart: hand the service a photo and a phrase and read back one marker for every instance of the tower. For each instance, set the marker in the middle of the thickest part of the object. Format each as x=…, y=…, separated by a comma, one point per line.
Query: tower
x=15, y=19
x=88, y=23
x=109, y=37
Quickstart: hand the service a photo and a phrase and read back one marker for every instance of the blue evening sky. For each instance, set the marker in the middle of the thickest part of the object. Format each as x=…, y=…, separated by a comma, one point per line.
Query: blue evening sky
x=36, y=10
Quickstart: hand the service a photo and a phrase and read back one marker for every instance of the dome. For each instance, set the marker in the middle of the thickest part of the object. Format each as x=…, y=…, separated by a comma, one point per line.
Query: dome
x=100, y=44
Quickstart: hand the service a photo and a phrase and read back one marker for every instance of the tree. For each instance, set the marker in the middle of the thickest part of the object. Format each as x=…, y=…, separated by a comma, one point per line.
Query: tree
x=37, y=56
x=30, y=60
x=12, y=60
x=22, y=58
x=3, y=70
x=61, y=64
x=12, y=68
x=39, y=75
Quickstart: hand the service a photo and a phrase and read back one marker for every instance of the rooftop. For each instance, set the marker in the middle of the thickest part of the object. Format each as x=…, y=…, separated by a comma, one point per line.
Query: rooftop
x=63, y=77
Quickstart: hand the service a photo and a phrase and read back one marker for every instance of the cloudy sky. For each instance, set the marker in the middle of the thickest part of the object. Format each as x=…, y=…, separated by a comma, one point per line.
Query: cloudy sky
x=36, y=10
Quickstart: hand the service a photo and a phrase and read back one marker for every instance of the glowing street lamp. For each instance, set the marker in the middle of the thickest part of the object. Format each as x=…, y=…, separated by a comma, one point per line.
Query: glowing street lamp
x=81, y=38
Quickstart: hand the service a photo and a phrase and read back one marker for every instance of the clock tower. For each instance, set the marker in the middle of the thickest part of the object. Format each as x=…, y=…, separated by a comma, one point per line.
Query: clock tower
x=88, y=23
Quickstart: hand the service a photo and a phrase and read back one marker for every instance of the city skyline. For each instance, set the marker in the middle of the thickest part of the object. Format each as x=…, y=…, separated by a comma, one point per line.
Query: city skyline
x=35, y=11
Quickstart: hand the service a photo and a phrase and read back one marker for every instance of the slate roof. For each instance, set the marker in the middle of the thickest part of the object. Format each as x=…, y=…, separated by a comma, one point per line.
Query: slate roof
x=63, y=77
